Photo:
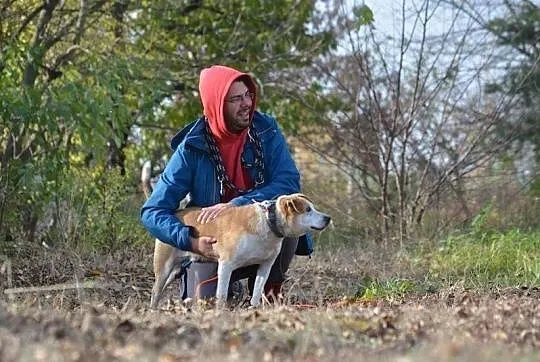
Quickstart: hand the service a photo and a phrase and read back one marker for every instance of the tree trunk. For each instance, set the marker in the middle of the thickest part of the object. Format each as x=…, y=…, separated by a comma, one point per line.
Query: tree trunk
x=115, y=153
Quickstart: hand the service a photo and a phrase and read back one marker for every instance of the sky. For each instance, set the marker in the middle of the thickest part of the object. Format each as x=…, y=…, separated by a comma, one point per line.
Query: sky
x=492, y=60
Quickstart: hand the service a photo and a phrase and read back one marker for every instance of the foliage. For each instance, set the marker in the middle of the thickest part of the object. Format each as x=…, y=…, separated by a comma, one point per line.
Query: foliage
x=519, y=30
x=363, y=14
x=57, y=128
x=96, y=210
x=88, y=85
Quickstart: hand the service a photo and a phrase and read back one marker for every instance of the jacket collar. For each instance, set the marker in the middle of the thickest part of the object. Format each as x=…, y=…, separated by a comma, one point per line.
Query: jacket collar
x=193, y=133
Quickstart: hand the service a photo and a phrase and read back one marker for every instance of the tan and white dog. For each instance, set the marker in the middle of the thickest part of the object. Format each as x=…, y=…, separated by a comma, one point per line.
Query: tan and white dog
x=246, y=235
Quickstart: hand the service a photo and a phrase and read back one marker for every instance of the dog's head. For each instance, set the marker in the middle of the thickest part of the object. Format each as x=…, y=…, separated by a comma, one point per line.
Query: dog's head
x=299, y=216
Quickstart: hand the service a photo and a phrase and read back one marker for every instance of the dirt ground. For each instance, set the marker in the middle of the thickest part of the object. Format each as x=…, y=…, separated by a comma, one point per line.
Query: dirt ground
x=107, y=317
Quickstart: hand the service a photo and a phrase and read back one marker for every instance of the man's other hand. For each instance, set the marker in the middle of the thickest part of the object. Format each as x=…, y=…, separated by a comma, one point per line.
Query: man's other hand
x=203, y=246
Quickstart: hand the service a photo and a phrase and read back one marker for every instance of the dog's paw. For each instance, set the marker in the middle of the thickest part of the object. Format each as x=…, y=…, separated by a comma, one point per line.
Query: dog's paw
x=255, y=303
x=221, y=303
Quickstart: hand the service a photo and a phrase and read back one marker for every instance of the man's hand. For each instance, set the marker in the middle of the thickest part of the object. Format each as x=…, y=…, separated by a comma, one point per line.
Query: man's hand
x=203, y=246
x=209, y=213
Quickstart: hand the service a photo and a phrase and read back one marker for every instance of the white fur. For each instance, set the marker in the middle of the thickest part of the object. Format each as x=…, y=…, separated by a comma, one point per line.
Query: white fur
x=264, y=255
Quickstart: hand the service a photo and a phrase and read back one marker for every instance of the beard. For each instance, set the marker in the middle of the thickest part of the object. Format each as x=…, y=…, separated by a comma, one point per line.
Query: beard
x=239, y=122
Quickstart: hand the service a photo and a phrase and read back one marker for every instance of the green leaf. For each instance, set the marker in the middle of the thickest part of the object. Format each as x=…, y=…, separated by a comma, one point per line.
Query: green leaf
x=364, y=15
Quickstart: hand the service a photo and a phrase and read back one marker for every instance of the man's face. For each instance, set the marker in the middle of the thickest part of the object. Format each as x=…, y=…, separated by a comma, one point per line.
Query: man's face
x=238, y=102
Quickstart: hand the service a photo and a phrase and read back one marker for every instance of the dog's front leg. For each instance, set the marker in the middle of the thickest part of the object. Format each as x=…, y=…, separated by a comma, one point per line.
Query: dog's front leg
x=225, y=270
x=262, y=276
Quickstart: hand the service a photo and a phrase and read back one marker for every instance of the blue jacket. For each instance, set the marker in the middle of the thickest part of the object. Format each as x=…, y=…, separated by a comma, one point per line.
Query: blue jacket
x=191, y=170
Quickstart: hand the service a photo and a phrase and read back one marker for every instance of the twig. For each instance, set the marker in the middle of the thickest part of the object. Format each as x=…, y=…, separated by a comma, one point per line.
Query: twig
x=63, y=286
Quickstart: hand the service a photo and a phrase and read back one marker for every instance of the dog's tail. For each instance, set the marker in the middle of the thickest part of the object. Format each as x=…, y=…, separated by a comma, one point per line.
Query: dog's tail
x=147, y=185
x=146, y=178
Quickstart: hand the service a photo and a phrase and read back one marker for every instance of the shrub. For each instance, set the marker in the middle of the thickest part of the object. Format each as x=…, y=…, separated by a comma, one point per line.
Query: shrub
x=97, y=209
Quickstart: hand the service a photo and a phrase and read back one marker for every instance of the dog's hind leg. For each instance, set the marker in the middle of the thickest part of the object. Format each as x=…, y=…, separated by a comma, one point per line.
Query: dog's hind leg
x=160, y=283
x=170, y=271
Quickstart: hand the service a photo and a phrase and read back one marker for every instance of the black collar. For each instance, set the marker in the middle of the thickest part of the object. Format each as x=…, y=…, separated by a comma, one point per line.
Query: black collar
x=271, y=218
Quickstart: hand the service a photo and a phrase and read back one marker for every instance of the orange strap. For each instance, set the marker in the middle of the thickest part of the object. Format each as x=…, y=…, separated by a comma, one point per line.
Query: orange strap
x=203, y=283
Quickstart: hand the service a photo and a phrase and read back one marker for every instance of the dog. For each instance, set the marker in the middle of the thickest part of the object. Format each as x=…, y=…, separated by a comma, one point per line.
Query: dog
x=246, y=235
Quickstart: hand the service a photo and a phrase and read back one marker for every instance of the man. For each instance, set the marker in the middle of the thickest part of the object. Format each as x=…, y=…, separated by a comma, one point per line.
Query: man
x=229, y=157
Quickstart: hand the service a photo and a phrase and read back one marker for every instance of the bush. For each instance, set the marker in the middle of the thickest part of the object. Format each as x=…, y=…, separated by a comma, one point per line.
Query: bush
x=97, y=209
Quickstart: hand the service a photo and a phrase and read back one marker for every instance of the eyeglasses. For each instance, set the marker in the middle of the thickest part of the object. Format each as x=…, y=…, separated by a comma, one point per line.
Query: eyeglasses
x=239, y=98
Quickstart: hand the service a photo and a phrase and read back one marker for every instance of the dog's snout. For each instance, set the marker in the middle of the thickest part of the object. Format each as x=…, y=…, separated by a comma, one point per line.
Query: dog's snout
x=322, y=222
x=327, y=219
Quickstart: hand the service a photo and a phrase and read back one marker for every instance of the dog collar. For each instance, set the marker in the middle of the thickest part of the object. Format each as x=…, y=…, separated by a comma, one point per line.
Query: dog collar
x=271, y=217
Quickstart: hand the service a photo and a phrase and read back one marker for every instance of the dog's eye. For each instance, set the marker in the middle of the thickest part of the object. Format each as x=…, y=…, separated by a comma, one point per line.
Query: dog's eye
x=308, y=209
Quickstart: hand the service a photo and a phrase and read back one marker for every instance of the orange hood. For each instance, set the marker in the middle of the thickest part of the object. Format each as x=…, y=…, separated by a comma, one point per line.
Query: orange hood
x=214, y=83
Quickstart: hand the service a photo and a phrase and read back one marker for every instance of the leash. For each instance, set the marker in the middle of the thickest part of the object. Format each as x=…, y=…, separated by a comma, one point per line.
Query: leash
x=223, y=178
x=203, y=283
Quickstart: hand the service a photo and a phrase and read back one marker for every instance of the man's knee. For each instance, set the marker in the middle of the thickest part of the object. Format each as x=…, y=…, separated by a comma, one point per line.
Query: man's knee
x=201, y=282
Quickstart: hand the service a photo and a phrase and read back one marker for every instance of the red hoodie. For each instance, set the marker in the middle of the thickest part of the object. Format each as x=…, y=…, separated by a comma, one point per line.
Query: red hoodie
x=214, y=83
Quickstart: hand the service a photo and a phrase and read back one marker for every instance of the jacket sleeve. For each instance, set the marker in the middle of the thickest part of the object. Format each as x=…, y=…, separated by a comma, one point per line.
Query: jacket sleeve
x=158, y=212
x=283, y=175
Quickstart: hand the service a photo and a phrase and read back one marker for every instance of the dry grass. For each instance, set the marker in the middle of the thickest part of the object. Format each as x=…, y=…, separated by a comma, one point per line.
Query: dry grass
x=321, y=319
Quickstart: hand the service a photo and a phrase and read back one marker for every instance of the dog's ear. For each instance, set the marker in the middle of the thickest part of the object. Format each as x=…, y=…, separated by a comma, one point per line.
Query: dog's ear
x=293, y=204
x=303, y=197
x=298, y=204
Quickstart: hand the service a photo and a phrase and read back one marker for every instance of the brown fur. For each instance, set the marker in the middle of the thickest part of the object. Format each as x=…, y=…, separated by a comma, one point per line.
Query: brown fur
x=227, y=229
x=244, y=219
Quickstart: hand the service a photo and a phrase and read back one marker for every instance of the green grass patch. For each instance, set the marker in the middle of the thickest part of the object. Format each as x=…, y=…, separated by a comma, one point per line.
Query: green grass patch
x=371, y=289
x=488, y=258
